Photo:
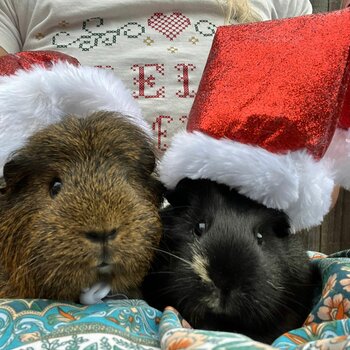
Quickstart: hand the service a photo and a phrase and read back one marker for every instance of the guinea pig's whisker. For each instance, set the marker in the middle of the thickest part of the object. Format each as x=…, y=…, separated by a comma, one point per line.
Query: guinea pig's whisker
x=166, y=290
x=179, y=284
x=290, y=296
x=274, y=286
x=302, y=284
x=284, y=305
x=172, y=208
x=27, y=263
x=251, y=309
x=287, y=295
x=161, y=272
x=171, y=289
x=49, y=277
x=265, y=312
x=196, y=313
x=173, y=255
x=182, y=300
x=182, y=281
x=167, y=248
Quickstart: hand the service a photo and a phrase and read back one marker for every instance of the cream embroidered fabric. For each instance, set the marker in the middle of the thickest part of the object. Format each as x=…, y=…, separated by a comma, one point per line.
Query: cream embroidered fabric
x=158, y=48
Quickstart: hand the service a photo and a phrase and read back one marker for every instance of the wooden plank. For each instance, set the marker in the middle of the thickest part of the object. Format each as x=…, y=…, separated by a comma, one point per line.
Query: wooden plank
x=334, y=233
x=325, y=5
x=319, y=6
x=345, y=233
x=312, y=239
x=334, y=5
x=332, y=228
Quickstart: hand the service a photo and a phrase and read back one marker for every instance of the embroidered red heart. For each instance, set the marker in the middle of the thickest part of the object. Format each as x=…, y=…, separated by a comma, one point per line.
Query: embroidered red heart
x=170, y=26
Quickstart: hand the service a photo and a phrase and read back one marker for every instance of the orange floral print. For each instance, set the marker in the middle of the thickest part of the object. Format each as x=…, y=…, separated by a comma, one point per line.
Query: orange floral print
x=170, y=308
x=310, y=319
x=335, y=308
x=332, y=343
x=29, y=337
x=316, y=256
x=185, y=340
x=332, y=280
x=66, y=315
x=181, y=343
x=346, y=283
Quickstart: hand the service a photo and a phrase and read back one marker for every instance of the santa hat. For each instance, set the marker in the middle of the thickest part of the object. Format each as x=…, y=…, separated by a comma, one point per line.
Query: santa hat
x=39, y=88
x=271, y=117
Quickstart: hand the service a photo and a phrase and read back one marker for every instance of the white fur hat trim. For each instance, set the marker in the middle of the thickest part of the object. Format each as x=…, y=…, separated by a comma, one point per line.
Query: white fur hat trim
x=293, y=182
x=338, y=154
x=31, y=100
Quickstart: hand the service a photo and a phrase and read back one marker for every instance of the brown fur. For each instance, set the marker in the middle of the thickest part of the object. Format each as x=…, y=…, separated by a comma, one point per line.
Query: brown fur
x=106, y=166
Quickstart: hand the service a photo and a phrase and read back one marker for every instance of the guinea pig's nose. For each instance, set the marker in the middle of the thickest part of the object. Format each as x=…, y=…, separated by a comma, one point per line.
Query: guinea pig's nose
x=101, y=237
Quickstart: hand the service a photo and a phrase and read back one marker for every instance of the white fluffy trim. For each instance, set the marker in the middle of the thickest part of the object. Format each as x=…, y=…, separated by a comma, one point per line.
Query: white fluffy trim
x=31, y=100
x=338, y=154
x=292, y=182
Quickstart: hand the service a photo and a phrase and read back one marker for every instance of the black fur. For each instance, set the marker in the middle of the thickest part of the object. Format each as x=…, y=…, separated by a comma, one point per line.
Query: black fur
x=258, y=288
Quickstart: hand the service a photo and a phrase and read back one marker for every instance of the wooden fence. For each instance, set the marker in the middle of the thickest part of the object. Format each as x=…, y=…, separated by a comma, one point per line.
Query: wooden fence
x=334, y=234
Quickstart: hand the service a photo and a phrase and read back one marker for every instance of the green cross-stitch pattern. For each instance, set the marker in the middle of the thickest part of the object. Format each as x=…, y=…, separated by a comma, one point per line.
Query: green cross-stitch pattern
x=92, y=38
x=93, y=35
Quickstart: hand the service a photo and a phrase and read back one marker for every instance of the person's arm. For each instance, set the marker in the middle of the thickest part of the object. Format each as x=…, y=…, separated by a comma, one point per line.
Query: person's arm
x=2, y=52
x=10, y=38
x=277, y=9
x=289, y=8
x=335, y=196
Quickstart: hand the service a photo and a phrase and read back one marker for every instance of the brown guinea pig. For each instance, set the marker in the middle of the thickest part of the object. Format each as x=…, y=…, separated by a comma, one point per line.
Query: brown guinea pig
x=80, y=205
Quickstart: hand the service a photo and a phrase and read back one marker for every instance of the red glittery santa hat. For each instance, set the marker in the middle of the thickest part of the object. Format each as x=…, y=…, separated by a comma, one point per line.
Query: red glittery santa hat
x=40, y=87
x=271, y=117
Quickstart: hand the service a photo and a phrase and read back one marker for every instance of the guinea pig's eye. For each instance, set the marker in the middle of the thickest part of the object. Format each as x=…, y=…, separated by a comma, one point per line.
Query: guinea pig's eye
x=55, y=187
x=259, y=238
x=200, y=228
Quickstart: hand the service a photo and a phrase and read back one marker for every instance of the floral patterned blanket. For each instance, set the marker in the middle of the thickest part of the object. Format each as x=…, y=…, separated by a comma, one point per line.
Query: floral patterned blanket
x=132, y=324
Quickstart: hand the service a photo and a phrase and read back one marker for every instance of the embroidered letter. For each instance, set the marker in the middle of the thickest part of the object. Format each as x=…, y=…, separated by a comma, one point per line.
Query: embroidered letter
x=146, y=82
x=184, y=79
x=161, y=130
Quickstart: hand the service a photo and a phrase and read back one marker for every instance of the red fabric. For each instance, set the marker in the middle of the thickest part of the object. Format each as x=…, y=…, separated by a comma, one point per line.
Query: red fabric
x=10, y=63
x=344, y=121
x=280, y=84
x=345, y=118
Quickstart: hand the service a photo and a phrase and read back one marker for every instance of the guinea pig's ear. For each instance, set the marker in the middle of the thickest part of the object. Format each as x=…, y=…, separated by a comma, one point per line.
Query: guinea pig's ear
x=175, y=198
x=15, y=175
x=2, y=185
x=281, y=226
x=148, y=161
x=156, y=190
x=180, y=195
x=146, y=157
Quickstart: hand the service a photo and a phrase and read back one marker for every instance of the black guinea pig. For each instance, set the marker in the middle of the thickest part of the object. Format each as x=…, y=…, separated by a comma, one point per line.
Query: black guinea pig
x=228, y=263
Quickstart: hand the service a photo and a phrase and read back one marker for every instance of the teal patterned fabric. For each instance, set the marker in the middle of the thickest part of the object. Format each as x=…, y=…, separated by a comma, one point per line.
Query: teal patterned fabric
x=43, y=324
x=328, y=325
x=132, y=324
